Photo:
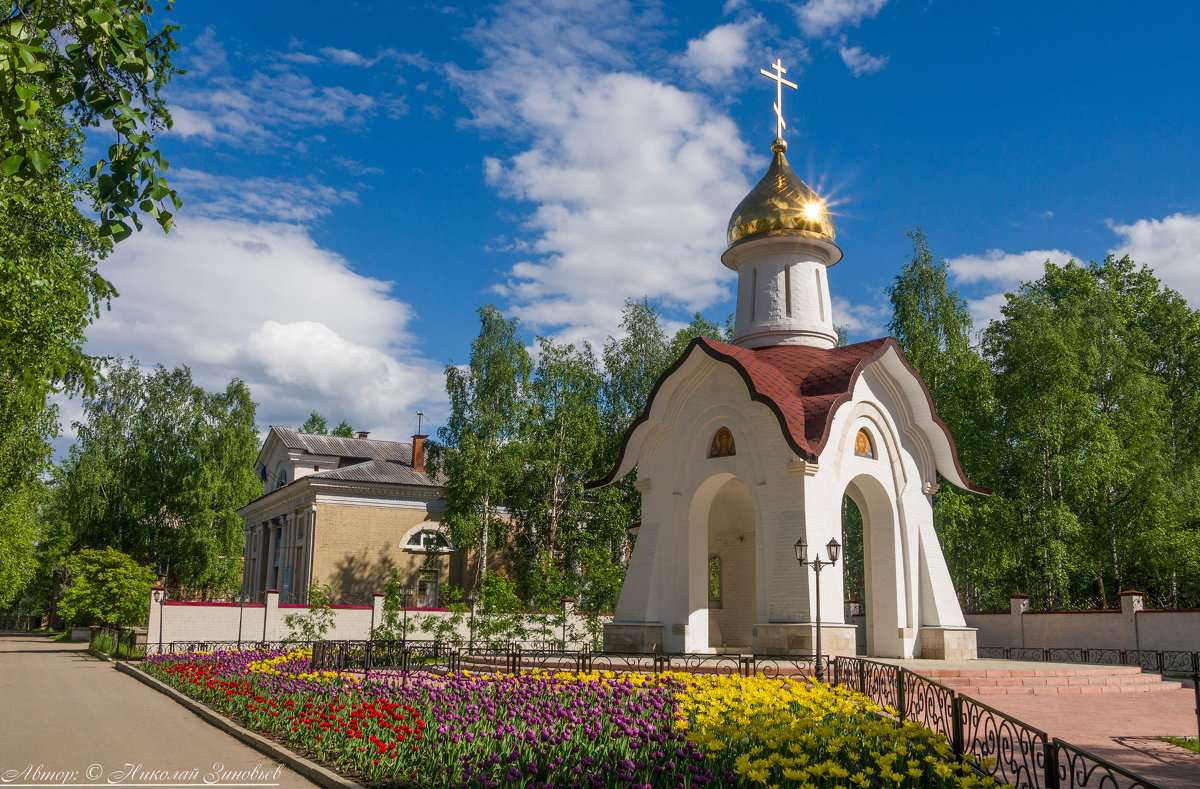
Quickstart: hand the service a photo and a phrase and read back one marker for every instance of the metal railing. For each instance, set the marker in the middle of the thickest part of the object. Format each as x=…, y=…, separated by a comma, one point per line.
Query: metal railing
x=997, y=744
x=1161, y=661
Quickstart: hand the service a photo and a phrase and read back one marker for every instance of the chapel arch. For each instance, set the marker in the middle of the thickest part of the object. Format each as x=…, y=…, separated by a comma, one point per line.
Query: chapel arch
x=723, y=516
x=885, y=601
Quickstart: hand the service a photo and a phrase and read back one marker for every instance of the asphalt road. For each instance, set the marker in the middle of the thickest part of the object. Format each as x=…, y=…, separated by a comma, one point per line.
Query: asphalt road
x=67, y=718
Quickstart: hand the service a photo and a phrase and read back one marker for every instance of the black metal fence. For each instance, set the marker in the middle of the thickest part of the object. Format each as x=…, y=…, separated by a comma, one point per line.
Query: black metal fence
x=998, y=744
x=1161, y=661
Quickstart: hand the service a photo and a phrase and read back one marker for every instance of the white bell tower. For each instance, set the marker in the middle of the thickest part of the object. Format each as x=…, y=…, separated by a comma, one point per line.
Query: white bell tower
x=781, y=241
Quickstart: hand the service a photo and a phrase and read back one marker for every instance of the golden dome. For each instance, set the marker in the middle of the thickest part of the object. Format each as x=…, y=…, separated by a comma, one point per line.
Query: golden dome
x=780, y=205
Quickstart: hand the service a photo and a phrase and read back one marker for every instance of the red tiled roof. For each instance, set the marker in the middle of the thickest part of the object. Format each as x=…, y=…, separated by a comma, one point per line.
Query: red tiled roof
x=803, y=386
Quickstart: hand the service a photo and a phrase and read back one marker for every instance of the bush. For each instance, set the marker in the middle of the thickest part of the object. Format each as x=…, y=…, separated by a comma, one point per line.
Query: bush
x=107, y=588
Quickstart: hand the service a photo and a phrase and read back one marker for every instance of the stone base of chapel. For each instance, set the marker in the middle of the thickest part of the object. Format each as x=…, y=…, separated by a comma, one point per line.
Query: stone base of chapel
x=801, y=639
x=643, y=637
x=947, y=643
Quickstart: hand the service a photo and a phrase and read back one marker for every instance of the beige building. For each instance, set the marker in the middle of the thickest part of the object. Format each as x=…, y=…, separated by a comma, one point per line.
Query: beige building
x=346, y=511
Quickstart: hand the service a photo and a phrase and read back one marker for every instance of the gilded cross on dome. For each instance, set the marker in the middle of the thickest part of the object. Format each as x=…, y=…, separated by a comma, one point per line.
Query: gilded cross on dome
x=779, y=81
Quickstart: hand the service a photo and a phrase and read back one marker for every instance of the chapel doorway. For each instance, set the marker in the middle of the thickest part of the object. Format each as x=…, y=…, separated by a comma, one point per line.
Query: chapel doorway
x=873, y=551
x=732, y=578
x=854, y=573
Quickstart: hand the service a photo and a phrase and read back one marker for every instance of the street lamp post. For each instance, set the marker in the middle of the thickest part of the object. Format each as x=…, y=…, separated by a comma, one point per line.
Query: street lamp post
x=835, y=549
x=158, y=598
x=472, y=598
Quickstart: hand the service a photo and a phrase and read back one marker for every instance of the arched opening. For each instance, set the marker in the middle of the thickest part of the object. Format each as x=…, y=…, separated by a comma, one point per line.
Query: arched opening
x=853, y=572
x=731, y=543
x=887, y=619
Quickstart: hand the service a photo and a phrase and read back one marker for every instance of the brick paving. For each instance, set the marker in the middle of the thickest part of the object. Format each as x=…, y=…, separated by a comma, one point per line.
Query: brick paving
x=1120, y=727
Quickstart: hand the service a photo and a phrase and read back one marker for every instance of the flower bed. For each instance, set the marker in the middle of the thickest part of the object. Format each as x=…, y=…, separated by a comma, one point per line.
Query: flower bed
x=571, y=730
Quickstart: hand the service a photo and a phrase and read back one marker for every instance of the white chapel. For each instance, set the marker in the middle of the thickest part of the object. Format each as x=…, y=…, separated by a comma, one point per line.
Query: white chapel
x=745, y=447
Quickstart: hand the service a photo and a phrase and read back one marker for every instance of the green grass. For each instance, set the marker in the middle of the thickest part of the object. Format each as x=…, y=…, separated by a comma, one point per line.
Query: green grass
x=1191, y=743
x=63, y=636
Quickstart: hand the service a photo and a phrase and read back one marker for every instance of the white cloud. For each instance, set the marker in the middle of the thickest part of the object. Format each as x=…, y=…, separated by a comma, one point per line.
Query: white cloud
x=861, y=320
x=995, y=273
x=1170, y=246
x=1006, y=269
x=267, y=107
x=821, y=17
x=860, y=62
x=260, y=197
x=263, y=302
x=632, y=179
x=714, y=56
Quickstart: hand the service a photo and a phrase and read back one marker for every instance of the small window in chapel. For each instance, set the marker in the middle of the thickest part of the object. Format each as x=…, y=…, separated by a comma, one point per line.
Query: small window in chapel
x=722, y=444
x=863, y=446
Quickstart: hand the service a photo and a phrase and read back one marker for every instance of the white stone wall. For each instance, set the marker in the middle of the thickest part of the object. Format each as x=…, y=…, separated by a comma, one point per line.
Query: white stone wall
x=1131, y=627
x=187, y=621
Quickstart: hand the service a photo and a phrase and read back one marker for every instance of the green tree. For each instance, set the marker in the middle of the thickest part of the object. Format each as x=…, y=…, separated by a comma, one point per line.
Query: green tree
x=158, y=469
x=478, y=448
x=65, y=65
x=560, y=442
x=106, y=587
x=1089, y=386
x=314, y=623
x=344, y=429
x=933, y=325
x=314, y=425
x=68, y=64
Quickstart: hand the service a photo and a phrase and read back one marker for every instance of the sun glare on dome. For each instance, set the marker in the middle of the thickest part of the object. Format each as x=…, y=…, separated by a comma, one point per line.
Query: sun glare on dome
x=812, y=211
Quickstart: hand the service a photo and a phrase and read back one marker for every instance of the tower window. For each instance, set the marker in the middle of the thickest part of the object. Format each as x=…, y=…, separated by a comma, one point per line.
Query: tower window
x=864, y=447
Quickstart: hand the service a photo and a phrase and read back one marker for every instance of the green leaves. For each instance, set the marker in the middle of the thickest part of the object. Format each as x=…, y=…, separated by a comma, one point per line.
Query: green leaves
x=86, y=63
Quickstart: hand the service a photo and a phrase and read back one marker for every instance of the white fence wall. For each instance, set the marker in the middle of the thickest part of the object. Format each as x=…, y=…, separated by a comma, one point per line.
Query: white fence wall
x=190, y=621
x=1131, y=627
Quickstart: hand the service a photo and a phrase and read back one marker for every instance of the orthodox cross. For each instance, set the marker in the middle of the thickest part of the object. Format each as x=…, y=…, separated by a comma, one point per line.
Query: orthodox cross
x=777, y=77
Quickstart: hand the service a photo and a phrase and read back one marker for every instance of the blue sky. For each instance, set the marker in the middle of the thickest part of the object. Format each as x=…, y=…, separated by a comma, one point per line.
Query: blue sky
x=359, y=178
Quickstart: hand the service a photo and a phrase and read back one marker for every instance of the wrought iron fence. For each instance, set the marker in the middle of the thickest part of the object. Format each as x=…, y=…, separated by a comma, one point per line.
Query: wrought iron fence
x=997, y=744
x=1161, y=661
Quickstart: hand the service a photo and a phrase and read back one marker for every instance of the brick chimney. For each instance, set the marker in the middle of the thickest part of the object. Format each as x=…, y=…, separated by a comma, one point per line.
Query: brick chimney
x=418, y=461
x=364, y=433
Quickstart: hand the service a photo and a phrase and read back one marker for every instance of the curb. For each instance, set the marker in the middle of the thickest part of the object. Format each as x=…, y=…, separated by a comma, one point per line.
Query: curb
x=305, y=767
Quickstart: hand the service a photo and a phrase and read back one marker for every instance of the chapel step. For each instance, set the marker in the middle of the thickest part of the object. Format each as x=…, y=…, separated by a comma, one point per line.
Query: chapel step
x=1057, y=680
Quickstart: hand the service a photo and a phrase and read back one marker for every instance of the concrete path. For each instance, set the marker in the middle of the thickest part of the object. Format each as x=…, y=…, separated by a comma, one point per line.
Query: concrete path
x=66, y=717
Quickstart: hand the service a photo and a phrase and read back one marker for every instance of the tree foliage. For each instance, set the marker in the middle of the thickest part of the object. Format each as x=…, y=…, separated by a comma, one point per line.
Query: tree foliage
x=78, y=63
x=1076, y=409
x=477, y=448
x=158, y=469
x=106, y=587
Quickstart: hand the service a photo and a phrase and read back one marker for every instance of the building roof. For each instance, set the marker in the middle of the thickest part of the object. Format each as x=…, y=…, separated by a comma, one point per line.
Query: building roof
x=359, y=459
x=385, y=471
x=804, y=387
x=365, y=448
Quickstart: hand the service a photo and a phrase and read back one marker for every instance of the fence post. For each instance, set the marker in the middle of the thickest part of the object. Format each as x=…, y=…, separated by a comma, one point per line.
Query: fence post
x=956, y=727
x=900, y=693
x=370, y=656
x=1051, y=775
x=1196, y=687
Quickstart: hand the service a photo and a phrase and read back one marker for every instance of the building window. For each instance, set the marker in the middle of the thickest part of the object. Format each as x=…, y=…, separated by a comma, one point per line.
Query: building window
x=864, y=447
x=721, y=445
x=714, y=581
x=428, y=541
x=427, y=589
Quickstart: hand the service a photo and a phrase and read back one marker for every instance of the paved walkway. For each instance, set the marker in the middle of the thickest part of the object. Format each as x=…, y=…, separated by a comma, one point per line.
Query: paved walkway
x=1120, y=727
x=66, y=717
